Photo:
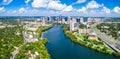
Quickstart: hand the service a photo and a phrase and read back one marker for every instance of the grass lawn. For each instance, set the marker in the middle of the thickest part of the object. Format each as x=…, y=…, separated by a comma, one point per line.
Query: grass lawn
x=81, y=37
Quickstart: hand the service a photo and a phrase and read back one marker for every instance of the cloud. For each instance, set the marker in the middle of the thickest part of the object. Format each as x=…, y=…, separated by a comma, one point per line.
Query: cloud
x=116, y=9
x=56, y=5
x=2, y=9
x=79, y=1
x=14, y=11
x=92, y=11
x=106, y=10
x=29, y=12
x=39, y=3
x=93, y=4
x=51, y=5
x=83, y=10
x=11, y=11
x=6, y=2
x=91, y=7
x=22, y=10
x=68, y=8
x=27, y=1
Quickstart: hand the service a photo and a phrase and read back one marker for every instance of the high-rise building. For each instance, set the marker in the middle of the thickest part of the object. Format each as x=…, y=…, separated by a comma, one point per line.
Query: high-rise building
x=69, y=18
x=90, y=20
x=50, y=19
x=63, y=20
x=81, y=20
x=97, y=20
x=43, y=22
x=72, y=24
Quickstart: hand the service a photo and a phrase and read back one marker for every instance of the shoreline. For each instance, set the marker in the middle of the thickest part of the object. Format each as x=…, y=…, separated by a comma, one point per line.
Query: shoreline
x=74, y=39
x=38, y=48
x=42, y=35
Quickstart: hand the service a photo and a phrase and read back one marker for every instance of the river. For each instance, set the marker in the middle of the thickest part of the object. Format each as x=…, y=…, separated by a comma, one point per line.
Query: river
x=61, y=47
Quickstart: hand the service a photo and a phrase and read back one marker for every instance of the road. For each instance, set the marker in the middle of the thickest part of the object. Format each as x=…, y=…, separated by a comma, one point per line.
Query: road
x=16, y=51
x=111, y=42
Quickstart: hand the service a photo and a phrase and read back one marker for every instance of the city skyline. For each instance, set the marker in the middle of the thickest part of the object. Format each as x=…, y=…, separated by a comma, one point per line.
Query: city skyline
x=52, y=37
x=94, y=8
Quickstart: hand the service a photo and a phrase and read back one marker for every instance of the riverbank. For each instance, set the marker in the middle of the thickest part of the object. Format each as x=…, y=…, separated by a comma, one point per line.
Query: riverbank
x=42, y=29
x=61, y=47
x=35, y=50
x=98, y=46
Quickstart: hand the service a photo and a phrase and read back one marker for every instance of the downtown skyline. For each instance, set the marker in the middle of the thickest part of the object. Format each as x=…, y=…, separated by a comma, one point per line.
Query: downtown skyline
x=92, y=8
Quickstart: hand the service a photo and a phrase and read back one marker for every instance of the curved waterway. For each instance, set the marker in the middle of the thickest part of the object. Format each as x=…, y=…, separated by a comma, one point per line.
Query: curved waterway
x=61, y=47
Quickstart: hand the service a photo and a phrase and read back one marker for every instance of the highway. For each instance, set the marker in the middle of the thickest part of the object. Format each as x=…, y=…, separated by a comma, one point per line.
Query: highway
x=111, y=42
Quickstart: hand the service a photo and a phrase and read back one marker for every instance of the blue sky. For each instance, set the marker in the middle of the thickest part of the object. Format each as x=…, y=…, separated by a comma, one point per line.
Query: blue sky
x=94, y=8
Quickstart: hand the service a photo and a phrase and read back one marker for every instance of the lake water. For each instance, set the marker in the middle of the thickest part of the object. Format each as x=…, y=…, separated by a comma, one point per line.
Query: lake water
x=61, y=47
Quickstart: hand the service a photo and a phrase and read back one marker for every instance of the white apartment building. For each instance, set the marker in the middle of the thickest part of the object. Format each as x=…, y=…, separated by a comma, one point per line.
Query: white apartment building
x=81, y=20
x=72, y=24
x=63, y=21
x=84, y=31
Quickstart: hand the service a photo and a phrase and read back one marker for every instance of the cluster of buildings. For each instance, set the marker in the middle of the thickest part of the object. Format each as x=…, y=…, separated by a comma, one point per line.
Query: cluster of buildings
x=35, y=23
x=3, y=25
x=75, y=24
x=30, y=27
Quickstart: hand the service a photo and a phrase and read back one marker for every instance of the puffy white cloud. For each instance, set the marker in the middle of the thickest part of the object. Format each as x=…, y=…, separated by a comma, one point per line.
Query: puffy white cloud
x=106, y=10
x=51, y=4
x=93, y=4
x=39, y=3
x=27, y=1
x=2, y=9
x=83, y=10
x=68, y=8
x=29, y=12
x=56, y=5
x=116, y=9
x=22, y=10
x=90, y=7
x=79, y=1
x=6, y=2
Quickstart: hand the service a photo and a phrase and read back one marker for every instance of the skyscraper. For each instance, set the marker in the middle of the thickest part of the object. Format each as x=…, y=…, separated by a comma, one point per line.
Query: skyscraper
x=72, y=24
